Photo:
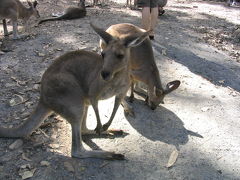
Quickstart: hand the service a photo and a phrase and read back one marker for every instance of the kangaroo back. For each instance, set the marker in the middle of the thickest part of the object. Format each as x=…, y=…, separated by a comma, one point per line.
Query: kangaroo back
x=70, y=13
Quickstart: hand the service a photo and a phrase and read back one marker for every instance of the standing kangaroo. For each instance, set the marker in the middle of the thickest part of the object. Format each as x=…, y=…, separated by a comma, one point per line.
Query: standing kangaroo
x=143, y=65
x=78, y=79
x=14, y=10
x=70, y=13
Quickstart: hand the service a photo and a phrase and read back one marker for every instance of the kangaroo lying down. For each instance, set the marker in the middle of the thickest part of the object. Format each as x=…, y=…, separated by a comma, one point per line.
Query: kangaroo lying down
x=70, y=13
x=76, y=80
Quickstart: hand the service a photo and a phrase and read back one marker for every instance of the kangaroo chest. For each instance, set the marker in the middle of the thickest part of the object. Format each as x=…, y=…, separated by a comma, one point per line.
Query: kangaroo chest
x=115, y=87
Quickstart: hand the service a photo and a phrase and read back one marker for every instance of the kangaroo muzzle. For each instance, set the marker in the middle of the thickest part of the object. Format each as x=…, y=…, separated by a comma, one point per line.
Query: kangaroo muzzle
x=106, y=75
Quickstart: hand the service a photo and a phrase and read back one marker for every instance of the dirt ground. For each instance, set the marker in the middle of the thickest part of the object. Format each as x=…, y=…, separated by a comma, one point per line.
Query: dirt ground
x=197, y=42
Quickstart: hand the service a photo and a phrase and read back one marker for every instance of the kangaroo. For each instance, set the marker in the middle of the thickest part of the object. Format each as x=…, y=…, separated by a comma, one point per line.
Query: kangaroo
x=78, y=79
x=70, y=13
x=14, y=10
x=143, y=65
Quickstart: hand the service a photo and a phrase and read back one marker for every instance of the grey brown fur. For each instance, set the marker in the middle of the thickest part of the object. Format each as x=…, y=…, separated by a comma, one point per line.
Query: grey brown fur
x=143, y=65
x=15, y=10
x=76, y=80
x=70, y=13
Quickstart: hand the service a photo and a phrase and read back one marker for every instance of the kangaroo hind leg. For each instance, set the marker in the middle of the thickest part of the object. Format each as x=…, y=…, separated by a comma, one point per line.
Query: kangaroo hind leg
x=74, y=112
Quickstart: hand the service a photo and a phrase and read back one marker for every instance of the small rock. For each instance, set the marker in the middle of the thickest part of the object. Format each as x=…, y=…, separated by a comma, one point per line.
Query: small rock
x=41, y=54
x=204, y=109
x=69, y=166
x=54, y=146
x=36, y=86
x=2, y=53
x=17, y=144
x=45, y=163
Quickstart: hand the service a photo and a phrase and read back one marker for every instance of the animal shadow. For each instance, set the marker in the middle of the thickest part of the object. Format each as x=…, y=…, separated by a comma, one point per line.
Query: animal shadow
x=159, y=125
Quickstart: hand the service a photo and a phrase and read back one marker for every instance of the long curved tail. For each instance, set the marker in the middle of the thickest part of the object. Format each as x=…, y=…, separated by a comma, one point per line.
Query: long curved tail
x=40, y=113
x=52, y=19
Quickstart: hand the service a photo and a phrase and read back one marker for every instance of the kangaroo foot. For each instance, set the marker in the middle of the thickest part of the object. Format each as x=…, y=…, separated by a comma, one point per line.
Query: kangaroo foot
x=117, y=132
x=18, y=37
x=98, y=154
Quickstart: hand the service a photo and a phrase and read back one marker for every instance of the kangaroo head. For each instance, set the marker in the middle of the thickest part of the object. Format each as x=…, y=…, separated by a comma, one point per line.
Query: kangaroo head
x=116, y=52
x=33, y=8
x=156, y=97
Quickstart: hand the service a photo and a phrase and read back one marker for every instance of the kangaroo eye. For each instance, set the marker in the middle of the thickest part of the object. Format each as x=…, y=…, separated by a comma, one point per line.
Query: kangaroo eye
x=102, y=54
x=120, y=56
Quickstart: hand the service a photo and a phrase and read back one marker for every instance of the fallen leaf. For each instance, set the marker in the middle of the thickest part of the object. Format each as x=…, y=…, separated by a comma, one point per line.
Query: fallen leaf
x=41, y=54
x=82, y=168
x=25, y=166
x=45, y=163
x=12, y=102
x=25, y=157
x=16, y=144
x=164, y=52
x=54, y=146
x=69, y=166
x=104, y=164
x=172, y=159
x=221, y=81
x=28, y=174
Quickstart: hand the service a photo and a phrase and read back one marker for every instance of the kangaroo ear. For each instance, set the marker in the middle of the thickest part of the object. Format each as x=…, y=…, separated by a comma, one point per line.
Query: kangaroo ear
x=171, y=86
x=137, y=39
x=102, y=45
x=30, y=4
x=106, y=37
x=35, y=3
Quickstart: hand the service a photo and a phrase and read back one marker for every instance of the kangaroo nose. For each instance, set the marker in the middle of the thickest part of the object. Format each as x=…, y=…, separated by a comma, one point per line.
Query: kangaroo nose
x=105, y=75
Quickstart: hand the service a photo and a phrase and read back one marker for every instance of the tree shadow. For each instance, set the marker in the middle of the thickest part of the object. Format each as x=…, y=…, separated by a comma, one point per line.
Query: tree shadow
x=200, y=58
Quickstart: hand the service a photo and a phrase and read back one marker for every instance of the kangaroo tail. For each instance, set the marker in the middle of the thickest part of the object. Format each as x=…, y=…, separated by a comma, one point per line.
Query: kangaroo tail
x=40, y=113
x=53, y=19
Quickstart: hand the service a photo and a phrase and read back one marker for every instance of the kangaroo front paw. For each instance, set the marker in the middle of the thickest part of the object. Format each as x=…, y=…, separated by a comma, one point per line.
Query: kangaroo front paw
x=131, y=99
x=105, y=127
x=98, y=129
x=118, y=156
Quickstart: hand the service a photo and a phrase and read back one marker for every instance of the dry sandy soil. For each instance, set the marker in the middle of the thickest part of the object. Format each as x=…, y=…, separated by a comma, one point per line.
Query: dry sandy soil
x=196, y=42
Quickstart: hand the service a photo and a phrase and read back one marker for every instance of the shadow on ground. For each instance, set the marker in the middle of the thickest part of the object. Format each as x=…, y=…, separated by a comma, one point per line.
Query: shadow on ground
x=184, y=47
x=159, y=125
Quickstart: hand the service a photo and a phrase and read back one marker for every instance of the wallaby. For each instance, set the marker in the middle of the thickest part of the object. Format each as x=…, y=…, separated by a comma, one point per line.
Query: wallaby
x=143, y=65
x=78, y=79
x=14, y=10
x=70, y=13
